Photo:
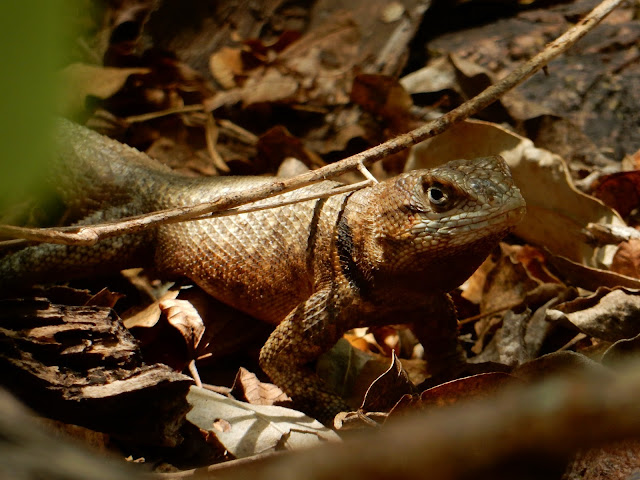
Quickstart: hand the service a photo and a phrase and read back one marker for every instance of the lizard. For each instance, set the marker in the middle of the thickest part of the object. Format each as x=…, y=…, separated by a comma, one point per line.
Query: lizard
x=385, y=254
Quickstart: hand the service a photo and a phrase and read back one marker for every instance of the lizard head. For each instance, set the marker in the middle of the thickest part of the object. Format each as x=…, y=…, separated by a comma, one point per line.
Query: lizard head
x=438, y=225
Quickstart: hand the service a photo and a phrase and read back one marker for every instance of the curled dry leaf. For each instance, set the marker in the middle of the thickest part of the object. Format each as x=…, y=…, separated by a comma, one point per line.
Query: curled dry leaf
x=186, y=319
x=170, y=330
x=388, y=388
x=477, y=386
x=249, y=388
x=518, y=276
x=225, y=64
x=519, y=273
x=269, y=85
x=350, y=371
x=588, y=277
x=626, y=261
x=277, y=143
x=438, y=75
x=252, y=429
x=82, y=80
x=510, y=339
x=508, y=282
x=607, y=314
x=623, y=458
x=149, y=316
x=567, y=362
x=620, y=191
x=556, y=211
x=383, y=96
x=623, y=350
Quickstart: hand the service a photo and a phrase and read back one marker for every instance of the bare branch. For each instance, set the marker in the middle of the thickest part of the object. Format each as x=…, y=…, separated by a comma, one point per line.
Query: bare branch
x=90, y=234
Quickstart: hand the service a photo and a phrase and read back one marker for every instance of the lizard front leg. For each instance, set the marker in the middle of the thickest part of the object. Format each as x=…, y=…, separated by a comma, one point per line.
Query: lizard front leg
x=437, y=330
x=308, y=331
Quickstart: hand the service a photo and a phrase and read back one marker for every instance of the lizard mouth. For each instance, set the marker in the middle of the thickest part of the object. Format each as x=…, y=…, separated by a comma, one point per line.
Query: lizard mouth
x=504, y=219
x=516, y=214
x=508, y=218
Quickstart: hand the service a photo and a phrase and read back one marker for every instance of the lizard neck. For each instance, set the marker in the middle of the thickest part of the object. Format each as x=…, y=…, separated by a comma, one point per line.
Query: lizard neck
x=378, y=253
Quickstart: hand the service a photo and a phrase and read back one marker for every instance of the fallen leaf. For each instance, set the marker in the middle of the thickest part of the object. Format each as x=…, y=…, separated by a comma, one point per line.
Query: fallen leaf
x=349, y=371
x=626, y=261
x=557, y=363
x=483, y=385
x=623, y=350
x=246, y=430
x=507, y=283
x=104, y=298
x=183, y=316
x=277, y=143
x=510, y=339
x=225, y=64
x=150, y=315
x=589, y=278
x=620, y=191
x=388, y=388
x=247, y=387
x=81, y=80
x=620, y=460
x=608, y=314
x=383, y=96
x=269, y=85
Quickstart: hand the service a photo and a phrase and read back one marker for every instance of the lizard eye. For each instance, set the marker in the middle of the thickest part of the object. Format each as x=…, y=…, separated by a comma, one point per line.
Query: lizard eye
x=436, y=195
x=439, y=196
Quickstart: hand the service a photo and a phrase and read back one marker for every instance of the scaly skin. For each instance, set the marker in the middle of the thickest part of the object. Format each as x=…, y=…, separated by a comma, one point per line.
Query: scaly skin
x=384, y=254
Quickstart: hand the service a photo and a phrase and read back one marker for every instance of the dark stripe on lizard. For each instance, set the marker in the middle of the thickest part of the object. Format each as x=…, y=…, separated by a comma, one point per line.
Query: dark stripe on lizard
x=345, y=249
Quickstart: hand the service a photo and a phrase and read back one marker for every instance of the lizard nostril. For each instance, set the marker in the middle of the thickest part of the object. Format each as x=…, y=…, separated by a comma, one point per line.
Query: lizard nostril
x=486, y=188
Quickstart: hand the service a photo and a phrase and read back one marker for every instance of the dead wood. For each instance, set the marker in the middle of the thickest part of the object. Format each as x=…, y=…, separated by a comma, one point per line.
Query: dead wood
x=79, y=365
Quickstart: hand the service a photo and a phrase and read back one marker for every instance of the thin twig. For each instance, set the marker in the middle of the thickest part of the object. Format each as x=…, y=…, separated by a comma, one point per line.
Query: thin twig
x=366, y=173
x=145, y=117
x=475, y=318
x=211, y=136
x=90, y=234
x=366, y=158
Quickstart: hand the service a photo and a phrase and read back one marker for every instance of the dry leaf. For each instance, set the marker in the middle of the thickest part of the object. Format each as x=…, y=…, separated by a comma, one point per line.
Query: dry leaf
x=349, y=371
x=248, y=388
x=383, y=96
x=620, y=191
x=607, y=314
x=620, y=460
x=183, y=316
x=557, y=363
x=252, y=429
x=508, y=283
x=225, y=64
x=476, y=386
x=81, y=80
x=588, y=277
x=438, y=75
x=510, y=339
x=627, y=349
x=388, y=388
x=150, y=315
x=626, y=261
x=269, y=85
